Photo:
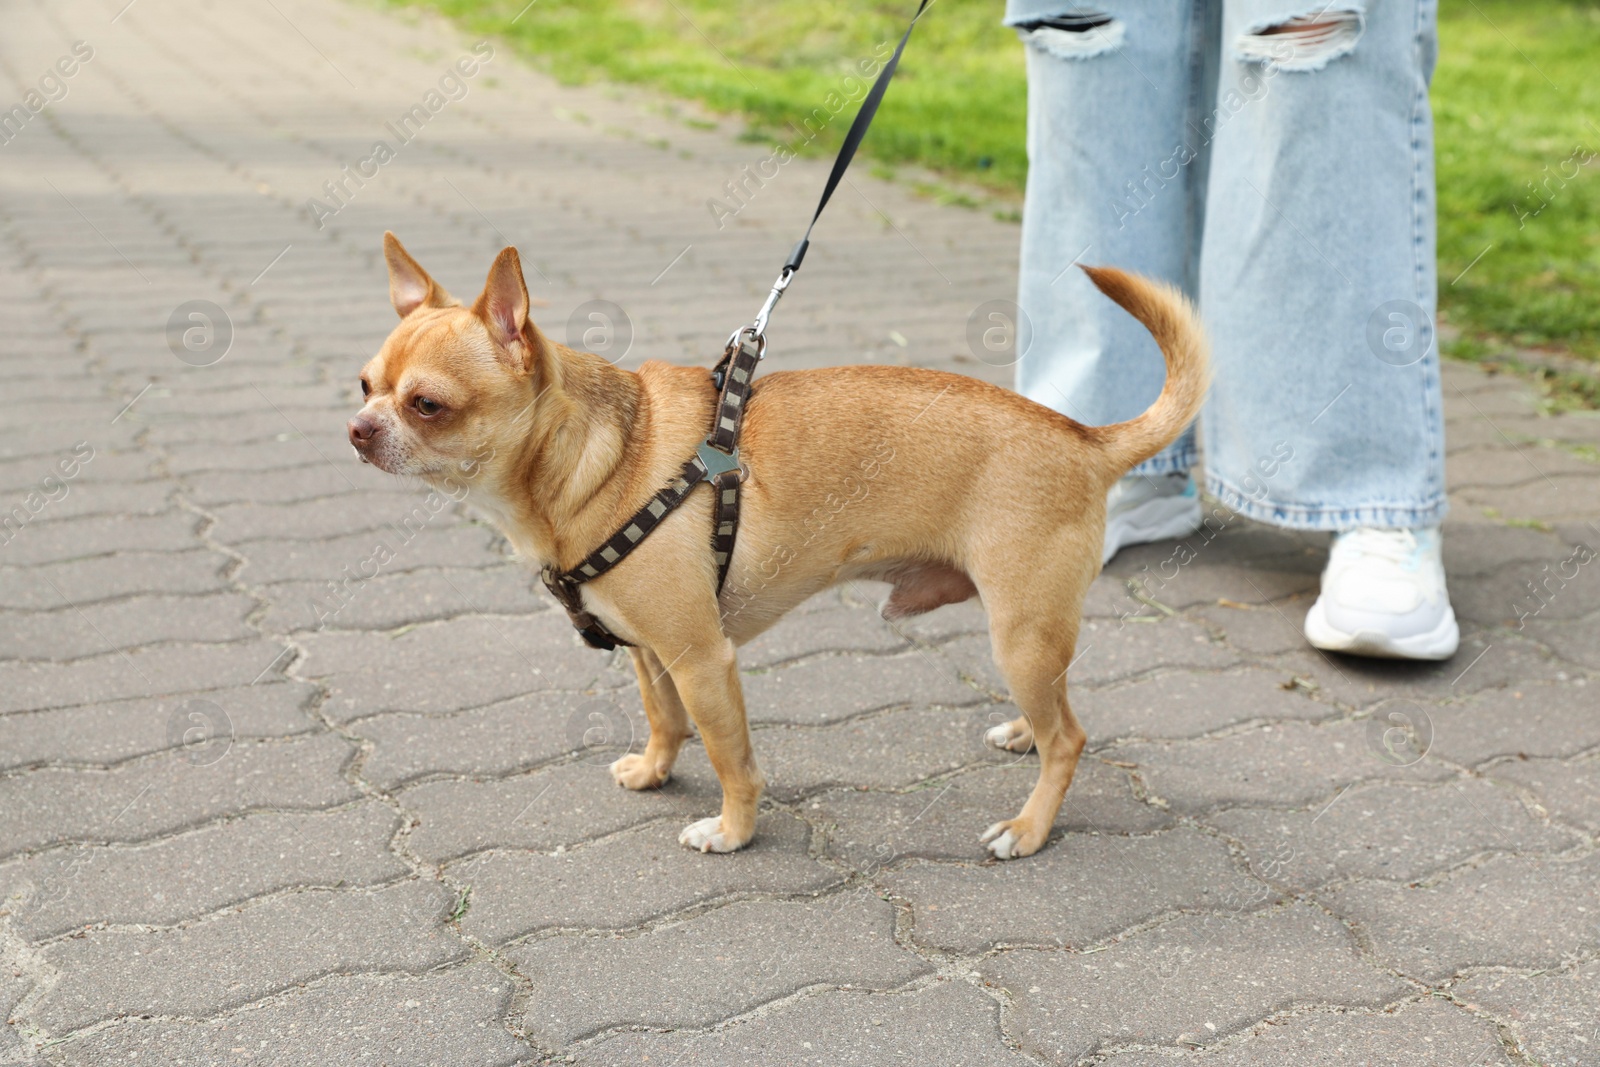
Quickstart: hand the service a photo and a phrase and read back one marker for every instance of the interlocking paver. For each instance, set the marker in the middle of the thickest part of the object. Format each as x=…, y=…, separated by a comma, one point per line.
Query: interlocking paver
x=451, y=1016
x=893, y=750
x=446, y=666
x=1525, y=720
x=1190, y=703
x=1279, y=763
x=170, y=790
x=392, y=513
x=1557, y=497
x=1066, y=898
x=1551, y=1012
x=1424, y=1033
x=334, y=558
x=943, y=819
x=1568, y=790
x=710, y=967
x=497, y=740
x=1514, y=911
x=13, y=988
x=1386, y=831
x=834, y=629
x=273, y=725
x=1466, y=428
x=553, y=808
x=1244, y=562
x=1481, y=467
x=1486, y=660
x=948, y=1023
x=47, y=443
x=1534, y=590
x=1277, y=626
x=237, y=464
x=100, y=734
x=199, y=970
x=192, y=874
x=1110, y=650
x=28, y=685
x=404, y=598
x=1481, y=549
x=1575, y=641
x=85, y=581
x=44, y=541
x=112, y=498
x=71, y=633
x=17, y=476
x=1188, y=982
x=628, y=879
x=831, y=688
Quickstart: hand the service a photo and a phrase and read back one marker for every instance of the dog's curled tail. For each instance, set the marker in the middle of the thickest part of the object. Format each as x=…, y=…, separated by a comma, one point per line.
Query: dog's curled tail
x=1175, y=325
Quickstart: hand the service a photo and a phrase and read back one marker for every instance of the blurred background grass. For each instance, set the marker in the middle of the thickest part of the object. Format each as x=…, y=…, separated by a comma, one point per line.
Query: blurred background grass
x=1513, y=98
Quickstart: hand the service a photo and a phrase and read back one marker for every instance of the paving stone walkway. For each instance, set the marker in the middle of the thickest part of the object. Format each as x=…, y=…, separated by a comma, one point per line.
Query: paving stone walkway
x=296, y=768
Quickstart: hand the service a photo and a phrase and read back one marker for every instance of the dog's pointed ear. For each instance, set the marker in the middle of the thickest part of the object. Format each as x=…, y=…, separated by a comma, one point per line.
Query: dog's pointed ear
x=410, y=287
x=503, y=307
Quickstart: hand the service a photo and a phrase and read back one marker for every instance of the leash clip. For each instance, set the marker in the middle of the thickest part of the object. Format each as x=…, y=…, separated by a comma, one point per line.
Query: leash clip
x=760, y=325
x=758, y=328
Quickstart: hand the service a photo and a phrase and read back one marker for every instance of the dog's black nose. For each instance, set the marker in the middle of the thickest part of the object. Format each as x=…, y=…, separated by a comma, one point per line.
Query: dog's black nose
x=362, y=430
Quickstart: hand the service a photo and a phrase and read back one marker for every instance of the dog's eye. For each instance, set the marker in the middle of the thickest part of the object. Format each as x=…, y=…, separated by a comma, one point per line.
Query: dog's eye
x=366, y=388
x=425, y=407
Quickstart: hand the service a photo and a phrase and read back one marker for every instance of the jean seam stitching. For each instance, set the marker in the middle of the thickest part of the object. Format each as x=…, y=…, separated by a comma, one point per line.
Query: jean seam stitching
x=1320, y=517
x=1432, y=386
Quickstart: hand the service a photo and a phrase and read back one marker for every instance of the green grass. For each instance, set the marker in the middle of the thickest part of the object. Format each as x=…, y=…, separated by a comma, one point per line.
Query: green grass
x=957, y=105
x=1513, y=96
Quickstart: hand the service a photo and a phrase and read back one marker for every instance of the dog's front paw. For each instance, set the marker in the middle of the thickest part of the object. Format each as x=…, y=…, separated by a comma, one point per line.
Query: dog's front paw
x=639, y=772
x=1013, y=736
x=1014, y=839
x=707, y=836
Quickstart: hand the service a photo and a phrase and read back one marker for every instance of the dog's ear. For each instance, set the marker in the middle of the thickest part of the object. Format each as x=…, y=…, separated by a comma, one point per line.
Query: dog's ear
x=409, y=285
x=503, y=307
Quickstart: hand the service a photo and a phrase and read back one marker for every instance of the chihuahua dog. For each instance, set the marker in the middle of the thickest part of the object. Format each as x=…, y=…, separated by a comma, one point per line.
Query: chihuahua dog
x=944, y=486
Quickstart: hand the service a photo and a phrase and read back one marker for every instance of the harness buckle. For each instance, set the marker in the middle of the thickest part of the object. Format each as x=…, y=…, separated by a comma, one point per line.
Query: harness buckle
x=717, y=462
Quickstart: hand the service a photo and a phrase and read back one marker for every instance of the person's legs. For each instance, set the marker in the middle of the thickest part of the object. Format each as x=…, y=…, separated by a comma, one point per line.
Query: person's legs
x=1318, y=284
x=1116, y=91
x=1317, y=275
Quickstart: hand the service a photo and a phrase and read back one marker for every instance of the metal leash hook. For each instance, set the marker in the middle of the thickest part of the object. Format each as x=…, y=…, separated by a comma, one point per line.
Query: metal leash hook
x=758, y=328
x=760, y=325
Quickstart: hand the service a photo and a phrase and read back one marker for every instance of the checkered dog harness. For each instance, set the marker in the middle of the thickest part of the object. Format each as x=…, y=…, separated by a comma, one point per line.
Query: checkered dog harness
x=715, y=461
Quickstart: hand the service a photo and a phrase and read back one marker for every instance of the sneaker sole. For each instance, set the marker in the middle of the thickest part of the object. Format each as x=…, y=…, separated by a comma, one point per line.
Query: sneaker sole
x=1439, y=643
x=1155, y=520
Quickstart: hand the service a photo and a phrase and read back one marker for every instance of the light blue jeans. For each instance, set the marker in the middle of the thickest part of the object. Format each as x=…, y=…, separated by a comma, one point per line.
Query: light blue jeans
x=1286, y=183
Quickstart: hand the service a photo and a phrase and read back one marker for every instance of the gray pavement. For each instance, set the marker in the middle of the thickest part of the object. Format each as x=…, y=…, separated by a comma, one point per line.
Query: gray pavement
x=254, y=812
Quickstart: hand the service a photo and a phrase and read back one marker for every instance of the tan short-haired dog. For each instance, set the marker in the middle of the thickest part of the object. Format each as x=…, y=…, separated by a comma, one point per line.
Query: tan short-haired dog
x=942, y=485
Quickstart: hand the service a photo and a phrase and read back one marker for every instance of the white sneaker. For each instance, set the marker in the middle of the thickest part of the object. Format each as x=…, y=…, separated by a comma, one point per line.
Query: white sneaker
x=1142, y=508
x=1383, y=594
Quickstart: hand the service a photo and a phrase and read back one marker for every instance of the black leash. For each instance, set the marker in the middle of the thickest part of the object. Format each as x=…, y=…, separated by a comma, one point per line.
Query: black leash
x=852, y=140
x=717, y=459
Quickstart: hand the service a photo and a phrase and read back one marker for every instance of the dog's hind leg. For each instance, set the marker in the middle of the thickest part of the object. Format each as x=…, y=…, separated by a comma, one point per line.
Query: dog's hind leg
x=1035, y=667
x=669, y=726
x=1032, y=648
